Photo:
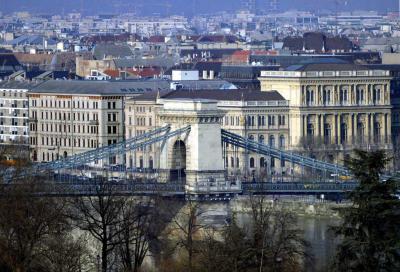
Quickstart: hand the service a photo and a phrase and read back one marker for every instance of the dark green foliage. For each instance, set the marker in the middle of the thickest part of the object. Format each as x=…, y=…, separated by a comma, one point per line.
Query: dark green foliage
x=370, y=230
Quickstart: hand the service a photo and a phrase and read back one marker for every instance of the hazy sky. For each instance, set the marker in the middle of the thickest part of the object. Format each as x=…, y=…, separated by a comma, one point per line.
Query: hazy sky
x=180, y=6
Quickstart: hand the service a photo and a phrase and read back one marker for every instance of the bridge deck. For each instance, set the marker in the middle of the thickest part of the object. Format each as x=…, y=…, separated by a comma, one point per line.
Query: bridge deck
x=173, y=189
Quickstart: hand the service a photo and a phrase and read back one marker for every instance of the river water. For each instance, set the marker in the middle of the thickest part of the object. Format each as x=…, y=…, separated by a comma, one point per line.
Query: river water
x=323, y=243
x=316, y=232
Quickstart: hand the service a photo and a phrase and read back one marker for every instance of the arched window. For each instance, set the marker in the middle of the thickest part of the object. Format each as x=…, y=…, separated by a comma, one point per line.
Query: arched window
x=282, y=141
x=151, y=166
x=327, y=133
x=232, y=162
x=252, y=164
x=262, y=162
x=272, y=141
x=237, y=162
x=261, y=139
x=251, y=137
x=65, y=154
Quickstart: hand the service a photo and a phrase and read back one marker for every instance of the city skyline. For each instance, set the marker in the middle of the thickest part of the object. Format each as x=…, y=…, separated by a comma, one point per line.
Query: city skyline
x=182, y=8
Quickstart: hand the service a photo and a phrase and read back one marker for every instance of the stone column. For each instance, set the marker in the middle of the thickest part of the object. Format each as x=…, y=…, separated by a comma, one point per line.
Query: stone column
x=339, y=125
x=350, y=128
x=366, y=124
x=301, y=128
x=317, y=123
x=384, y=127
x=335, y=88
x=388, y=128
x=334, y=126
x=322, y=120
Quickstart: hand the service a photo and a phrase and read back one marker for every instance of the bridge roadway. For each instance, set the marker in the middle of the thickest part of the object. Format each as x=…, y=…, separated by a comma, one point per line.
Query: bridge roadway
x=82, y=188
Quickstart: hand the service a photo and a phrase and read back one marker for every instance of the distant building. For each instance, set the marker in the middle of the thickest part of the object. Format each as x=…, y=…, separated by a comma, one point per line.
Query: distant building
x=339, y=106
x=68, y=117
x=313, y=42
x=14, y=112
x=261, y=116
x=9, y=65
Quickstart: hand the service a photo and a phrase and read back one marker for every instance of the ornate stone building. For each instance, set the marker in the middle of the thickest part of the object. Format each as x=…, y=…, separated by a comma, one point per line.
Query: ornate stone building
x=340, y=106
x=259, y=116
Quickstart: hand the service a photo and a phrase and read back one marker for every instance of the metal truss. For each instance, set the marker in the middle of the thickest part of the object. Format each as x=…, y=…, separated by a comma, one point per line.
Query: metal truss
x=239, y=141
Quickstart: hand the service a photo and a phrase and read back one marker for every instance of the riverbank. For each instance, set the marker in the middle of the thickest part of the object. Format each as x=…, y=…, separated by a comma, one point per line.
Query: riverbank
x=301, y=206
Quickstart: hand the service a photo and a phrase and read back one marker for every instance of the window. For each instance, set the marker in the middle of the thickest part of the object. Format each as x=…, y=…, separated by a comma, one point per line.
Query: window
x=327, y=133
x=252, y=164
x=272, y=141
x=343, y=133
x=310, y=131
x=282, y=142
x=262, y=162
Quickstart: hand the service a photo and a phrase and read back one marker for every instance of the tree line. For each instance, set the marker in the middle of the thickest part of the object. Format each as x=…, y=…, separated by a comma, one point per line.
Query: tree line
x=108, y=232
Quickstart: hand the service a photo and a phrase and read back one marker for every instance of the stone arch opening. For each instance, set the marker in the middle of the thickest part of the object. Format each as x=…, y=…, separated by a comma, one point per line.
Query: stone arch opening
x=178, y=162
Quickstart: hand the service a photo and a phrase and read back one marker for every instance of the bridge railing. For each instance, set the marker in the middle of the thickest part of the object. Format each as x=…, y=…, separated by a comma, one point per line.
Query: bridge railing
x=299, y=187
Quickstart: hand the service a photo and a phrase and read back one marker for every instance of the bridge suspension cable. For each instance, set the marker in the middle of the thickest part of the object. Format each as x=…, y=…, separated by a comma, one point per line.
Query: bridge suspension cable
x=120, y=148
x=250, y=145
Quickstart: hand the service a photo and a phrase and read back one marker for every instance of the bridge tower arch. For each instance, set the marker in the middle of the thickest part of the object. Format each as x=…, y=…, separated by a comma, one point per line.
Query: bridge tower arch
x=203, y=165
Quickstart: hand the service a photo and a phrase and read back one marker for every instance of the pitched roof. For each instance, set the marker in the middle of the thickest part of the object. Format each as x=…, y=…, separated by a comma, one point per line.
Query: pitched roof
x=326, y=67
x=317, y=42
x=11, y=84
x=114, y=50
x=217, y=38
x=219, y=95
x=226, y=95
x=8, y=62
x=100, y=87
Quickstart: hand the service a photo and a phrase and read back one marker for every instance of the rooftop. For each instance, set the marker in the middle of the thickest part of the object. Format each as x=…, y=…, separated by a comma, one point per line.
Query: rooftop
x=219, y=95
x=100, y=87
x=23, y=85
x=332, y=66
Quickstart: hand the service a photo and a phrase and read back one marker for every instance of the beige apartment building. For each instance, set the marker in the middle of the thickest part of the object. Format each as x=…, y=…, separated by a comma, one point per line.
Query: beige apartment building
x=69, y=117
x=260, y=116
x=337, y=106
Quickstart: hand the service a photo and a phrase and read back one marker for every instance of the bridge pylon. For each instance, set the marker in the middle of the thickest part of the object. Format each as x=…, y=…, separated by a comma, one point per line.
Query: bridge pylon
x=195, y=157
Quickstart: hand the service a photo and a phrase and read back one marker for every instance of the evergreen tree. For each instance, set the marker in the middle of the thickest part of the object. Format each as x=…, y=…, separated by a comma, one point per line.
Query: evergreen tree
x=370, y=230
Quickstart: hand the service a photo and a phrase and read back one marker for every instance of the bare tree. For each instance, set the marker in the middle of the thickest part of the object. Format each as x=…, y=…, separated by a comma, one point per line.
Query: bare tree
x=277, y=241
x=101, y=217
x=187, y=227
x=137, y=231
x=29, y=227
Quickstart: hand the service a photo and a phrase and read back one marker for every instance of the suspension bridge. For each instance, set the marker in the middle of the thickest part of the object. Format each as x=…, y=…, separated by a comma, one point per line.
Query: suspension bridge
x=197, y=125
